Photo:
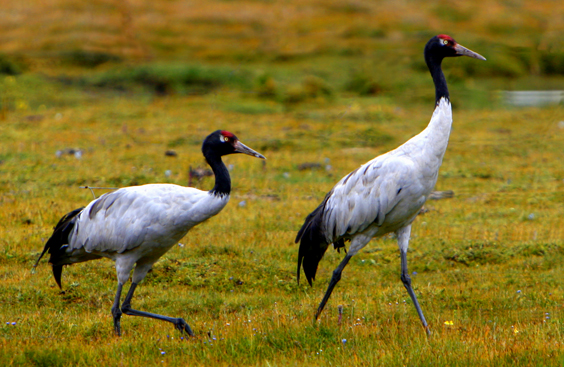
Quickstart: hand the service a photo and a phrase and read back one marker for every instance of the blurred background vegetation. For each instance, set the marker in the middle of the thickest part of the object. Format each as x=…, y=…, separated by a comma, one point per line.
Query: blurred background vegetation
x=286, y=52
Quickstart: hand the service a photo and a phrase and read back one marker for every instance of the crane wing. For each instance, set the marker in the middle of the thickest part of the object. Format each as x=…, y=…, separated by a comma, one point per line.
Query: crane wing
x=124, y=219
x=367, y=195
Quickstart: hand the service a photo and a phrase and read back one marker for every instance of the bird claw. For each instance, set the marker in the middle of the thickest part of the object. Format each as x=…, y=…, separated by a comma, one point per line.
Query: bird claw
x=117, y=329
x=116, y=313
x=182, y=326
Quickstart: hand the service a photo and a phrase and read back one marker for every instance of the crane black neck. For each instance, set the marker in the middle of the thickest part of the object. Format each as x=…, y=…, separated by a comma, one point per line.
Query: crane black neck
x=434, y=65
x=222, y=185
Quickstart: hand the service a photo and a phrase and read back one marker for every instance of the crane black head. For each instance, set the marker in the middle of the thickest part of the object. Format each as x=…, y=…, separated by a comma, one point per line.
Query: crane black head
x=442, y=46
x=436, y=50
x=216, y=145
x=223, y=142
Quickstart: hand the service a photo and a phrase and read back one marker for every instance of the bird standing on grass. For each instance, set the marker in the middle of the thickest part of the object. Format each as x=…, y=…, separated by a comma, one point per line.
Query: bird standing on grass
x=135, y=226
x=385, y=194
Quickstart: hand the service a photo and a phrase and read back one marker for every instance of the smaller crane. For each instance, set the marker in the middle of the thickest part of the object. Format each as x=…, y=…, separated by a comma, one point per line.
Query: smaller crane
x=385, y=194
x=136, y=225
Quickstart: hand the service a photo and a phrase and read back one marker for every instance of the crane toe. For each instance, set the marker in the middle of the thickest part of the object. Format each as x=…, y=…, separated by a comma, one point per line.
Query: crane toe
x=182, y=326
x=117, y=328
x=116, y=313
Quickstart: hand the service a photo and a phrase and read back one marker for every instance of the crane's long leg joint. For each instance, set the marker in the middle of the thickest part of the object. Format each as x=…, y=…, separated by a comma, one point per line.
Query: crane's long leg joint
x=334, y=280
x=178, y=322
x=406, y=280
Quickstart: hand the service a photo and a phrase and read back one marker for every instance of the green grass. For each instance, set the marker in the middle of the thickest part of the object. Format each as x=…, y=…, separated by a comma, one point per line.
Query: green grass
x=326, y=86
x=480, y=259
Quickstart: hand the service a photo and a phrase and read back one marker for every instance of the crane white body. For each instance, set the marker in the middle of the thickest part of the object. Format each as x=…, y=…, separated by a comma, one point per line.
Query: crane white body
x=138, y=224
x=386, y=193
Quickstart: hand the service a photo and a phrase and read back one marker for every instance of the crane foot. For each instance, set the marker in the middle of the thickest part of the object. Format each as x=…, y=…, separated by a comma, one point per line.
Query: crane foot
x=182, y=326
x=116, y=313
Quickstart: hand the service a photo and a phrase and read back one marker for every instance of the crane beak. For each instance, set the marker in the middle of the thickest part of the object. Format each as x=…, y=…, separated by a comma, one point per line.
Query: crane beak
x=242, y=148
x=463, y=51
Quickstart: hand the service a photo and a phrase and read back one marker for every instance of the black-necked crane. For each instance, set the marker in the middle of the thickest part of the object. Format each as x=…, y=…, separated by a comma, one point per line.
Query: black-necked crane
x=385, y=194
x=135, y=226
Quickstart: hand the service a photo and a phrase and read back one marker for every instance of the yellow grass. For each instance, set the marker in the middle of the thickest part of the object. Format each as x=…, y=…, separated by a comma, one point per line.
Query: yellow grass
x=487, y=264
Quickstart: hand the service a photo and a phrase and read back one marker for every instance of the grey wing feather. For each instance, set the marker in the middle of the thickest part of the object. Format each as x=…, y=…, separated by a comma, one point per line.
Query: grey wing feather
x=104, y=202
x=109, y=223
x=366, y=196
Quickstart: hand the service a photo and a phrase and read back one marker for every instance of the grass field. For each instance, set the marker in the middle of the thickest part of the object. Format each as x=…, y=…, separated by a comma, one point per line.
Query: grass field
x=328, y=84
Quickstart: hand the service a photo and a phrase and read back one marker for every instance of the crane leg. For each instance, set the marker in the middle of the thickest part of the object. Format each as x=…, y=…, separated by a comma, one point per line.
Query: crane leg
x=116, y=311
x=406, y=280
x=179, y=323
x=334, y=280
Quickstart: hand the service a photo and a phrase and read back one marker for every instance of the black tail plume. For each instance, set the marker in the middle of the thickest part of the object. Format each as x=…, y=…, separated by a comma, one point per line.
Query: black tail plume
x=57, y=243
x=57, y=272
x=313, y=242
